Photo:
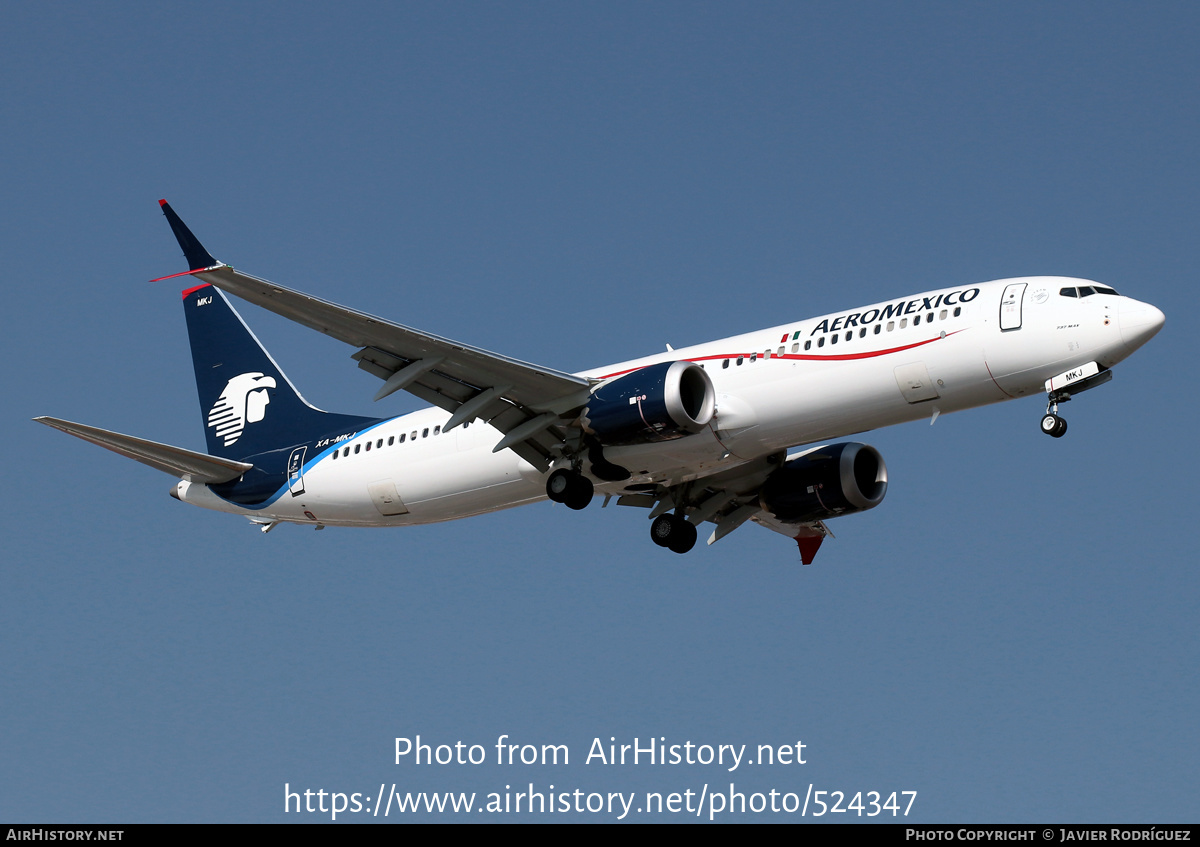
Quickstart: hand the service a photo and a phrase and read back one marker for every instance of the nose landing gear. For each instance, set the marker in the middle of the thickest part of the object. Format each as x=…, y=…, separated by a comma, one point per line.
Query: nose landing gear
x=1052, y=424
x=1061, y=388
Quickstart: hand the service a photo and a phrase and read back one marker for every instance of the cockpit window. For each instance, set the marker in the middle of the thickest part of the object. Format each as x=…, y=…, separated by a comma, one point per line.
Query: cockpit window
x=1087, y=291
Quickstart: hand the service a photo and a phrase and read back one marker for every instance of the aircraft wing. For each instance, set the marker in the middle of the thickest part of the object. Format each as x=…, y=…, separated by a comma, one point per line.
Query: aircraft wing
x=524, y=401
x=192, y=466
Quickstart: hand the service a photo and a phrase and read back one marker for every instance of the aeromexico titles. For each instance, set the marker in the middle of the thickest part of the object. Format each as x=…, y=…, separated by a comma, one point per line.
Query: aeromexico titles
x=697, y=436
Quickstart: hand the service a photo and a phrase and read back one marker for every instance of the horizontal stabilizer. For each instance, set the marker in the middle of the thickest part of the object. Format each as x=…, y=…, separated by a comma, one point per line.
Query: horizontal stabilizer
x=192, y=466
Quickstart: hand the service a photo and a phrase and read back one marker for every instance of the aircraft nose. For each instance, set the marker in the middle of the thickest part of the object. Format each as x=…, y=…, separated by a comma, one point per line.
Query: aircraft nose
x=1139, y=322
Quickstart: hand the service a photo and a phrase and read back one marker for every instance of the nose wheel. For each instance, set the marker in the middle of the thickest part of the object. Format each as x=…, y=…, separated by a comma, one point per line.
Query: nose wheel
x=1054, y=426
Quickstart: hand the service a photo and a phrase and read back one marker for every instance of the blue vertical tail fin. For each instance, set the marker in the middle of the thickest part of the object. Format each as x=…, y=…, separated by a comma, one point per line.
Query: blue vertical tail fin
x=248, y=405
x=250, y=408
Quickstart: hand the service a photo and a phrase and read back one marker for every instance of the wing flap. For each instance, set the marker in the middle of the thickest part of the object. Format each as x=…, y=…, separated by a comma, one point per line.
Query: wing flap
x=192, y=466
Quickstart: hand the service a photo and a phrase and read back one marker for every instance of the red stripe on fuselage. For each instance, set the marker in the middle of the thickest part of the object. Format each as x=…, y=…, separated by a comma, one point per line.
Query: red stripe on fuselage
x=804, y=357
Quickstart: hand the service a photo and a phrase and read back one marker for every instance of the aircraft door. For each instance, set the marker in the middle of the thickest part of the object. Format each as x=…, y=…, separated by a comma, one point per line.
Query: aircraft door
x=1010, y=306
x=296, y=471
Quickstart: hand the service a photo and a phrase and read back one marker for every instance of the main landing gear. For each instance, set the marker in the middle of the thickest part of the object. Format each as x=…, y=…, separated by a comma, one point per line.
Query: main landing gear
x=570, y=488
x=575, y=491
x=673, y=532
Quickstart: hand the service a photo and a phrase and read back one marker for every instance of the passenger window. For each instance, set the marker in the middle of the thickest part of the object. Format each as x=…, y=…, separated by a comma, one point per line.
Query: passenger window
x=345, y=451
x=739, y=360
x=379, y=443
x=833, y=339
x=335, y=453
x=862, y=333
x=849, y=335
x=942, y=315
x=796, y=346
x=368, y=446
x=878, y=327
x=425, y=432
x=808, y=344
x=753, y=357
x=391, y=440
x=957, y=311
x=917, y=320
x=402, y=438
x=437, y=430
x=725, y=364
x=357, y=447
x=779, y=352
x=414, y=435
x=891, y=325
x=903, y=323
x=821, y=341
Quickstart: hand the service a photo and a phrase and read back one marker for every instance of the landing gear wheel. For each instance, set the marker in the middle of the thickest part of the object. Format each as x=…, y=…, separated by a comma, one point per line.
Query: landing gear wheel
x=580, y=493
x=685, y=537
x=558, y=486
x=674, y=533
x=662, y=529
x=1054, y=426
x=570, y=488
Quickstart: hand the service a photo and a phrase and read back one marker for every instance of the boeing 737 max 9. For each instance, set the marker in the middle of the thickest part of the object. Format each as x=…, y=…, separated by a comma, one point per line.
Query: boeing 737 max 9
x=697, y=435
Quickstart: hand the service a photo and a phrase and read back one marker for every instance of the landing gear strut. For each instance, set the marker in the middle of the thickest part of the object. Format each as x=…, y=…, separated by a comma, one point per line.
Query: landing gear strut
x=1052, y=424
x=570, y=488
x=674, y=533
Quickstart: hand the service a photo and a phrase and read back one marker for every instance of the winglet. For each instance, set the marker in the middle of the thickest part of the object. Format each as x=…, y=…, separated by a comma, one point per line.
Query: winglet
x=198, y=258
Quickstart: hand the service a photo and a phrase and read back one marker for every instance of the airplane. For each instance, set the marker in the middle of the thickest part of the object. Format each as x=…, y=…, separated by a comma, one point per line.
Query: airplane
x=695, y=436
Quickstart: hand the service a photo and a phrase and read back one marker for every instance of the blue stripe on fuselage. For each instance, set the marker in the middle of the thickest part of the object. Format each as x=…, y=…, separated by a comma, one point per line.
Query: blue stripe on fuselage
x=251, y=490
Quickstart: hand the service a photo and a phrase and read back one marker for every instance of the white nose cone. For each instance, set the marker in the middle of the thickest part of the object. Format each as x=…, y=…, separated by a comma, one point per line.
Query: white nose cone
x=1139, y=322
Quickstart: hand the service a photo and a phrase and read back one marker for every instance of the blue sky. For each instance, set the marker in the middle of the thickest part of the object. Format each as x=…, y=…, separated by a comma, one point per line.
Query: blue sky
x=1012, y=633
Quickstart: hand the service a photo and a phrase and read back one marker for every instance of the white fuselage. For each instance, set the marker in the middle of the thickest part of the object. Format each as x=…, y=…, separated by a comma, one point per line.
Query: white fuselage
x=790, y=385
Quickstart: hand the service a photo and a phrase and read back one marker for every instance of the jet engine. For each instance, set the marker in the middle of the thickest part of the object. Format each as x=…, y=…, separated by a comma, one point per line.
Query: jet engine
x=839, y=479
x=655, y=403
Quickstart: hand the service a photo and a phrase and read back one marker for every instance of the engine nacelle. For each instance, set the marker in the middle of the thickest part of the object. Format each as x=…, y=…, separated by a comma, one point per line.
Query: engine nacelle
x=655, y=403
x=836, y=480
